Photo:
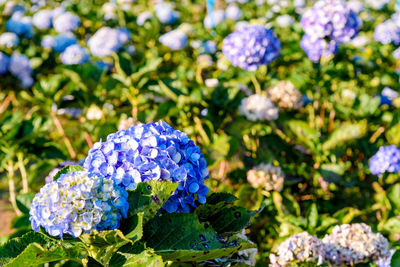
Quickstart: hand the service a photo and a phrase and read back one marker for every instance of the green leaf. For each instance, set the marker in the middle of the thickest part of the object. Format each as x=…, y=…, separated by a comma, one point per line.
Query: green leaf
x=393, y=134
x=68, y=169
x=151, y=65
x=135, y=256
x=35, y=248
x=312, y=216
x=395, y=262
x=345, y=133
x=149, y=197
x=216, y=198
x=181, y=237
x=24, y=202
x=303, y=133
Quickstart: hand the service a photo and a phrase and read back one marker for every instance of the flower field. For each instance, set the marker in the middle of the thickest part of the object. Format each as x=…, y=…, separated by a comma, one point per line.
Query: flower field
x=200, y=133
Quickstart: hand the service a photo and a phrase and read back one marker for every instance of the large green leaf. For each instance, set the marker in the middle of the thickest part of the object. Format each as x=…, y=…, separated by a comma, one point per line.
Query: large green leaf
x=345, y=133
x=24, y=202
x=149, y=197
x=395, y=261
x=135, y=256
x=35, y=248
x=68, y=169
x=181, y=237
x=303, y=133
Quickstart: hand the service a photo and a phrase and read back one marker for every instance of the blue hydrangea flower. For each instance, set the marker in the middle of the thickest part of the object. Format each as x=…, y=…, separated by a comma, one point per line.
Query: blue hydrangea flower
x=142, y=17
x=251, y=46
x=329, y=20
x=387, y=32
x=387, y=159
x=153, y=151
x=63, y=40
x=106, y=41
x=47, y=42
x=43, y=19
x=9, y=39
x=66, y=22
x=165, y=13
x=234, y=12
x=20, y=25
x=74, y=54
x=20, y=67
x=77, y=203
x=175, y=39
x=317, y=48
x=124, y=35
x=217, y=17
x=4, y=62
x=388, y=95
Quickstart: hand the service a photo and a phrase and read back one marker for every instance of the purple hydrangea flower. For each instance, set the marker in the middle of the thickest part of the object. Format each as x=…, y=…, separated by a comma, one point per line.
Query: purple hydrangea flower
x=387, y=159
x=77, y=203
x=124, y=35
x=106, y=41
x=4, y=62
x=9, y=39
x=331, y=20
x=153, y=151
x=316, y=48
x=165, y=13
x=66, y=22
x=74, y=54
x=387, y=32
x=43, y=19
x=251, y=46
x=20, y=25
x=175, y=39
x=21, y=68
x=47, y=42
x=233, y=12
x=63, y=40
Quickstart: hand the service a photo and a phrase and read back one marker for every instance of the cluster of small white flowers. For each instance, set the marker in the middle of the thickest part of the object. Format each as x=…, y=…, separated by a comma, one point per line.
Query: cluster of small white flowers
x=301, y=247
x=285, y=95
x=355, y=243
x=258, y=107
x=266, y=175
x=94, y=113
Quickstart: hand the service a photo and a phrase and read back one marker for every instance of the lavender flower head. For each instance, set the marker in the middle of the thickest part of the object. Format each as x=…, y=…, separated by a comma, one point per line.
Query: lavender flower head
x=74, y=54
x=251, y=46
x=143, y=17
x=218, y=16
x=153, y=151
x=317, y=48
x=77, y=203
x=43, y=19
x=47, y=42
x=21, y=68
x=106, y=41
x=301, y=247
x=63, y=40
x=233, y=12
x=9, y=39
x=387, y=32
x=165, y=13
x=175, y=39
x=66, y=22
x=350, y=244
x=4, y=62
x=387, y=159
x=20, y=25
x=258, y=108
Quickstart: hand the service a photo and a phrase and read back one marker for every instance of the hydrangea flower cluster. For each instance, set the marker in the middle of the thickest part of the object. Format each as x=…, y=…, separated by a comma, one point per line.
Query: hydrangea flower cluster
x=43, y=19
x=78, y=203
x=388, y=95
x=285, y=95
x=62, y=41
x=153, y=151
x=165, y=13
x=301, y=247
x=387, y=159
x=267, y=176
x=66, y=22
x=175, y=39
x=387, y=32
x=251, y=46
x=258, y=108
x=211, y=20
x=9, y=39
x=326, y=25
x=107, y=41
x=20, y=67
x=20, y=25
x=355, y=243
x=4, y=62
x=74, y=54
x=143, y=17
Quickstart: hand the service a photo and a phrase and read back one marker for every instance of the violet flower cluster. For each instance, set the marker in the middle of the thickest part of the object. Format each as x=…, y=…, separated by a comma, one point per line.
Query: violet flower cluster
x=107, y=41
x=326, y=25
x=153, y=151
x=251, y=46
x=387, y=159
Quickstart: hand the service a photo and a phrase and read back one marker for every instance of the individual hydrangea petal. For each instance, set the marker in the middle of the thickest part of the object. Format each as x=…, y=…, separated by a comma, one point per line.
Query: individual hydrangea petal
x=251, y=46
x=153, y=151
x=387, y=159
x=258, y=108
x=77, y=203
x=74, y=54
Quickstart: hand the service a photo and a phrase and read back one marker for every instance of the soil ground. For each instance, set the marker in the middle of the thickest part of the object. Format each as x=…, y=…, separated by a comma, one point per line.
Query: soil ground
x=6, y=216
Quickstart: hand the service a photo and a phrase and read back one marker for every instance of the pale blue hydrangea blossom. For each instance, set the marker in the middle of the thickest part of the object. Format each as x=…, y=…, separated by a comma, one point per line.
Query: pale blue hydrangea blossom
x=20, y=25
x=218, y=16
x=78, y=203
x=233, y=12
x=74, y=54
x=9, y=39
x=165, y=13
x=21, y=68
x=66, y=22
x=153, y=151
x=143, y=17
x=387, y=159
x=43, y=19
x=47, y=42
x=4, y=62
x=107, y=41
x=63, y=40
x=175, y=39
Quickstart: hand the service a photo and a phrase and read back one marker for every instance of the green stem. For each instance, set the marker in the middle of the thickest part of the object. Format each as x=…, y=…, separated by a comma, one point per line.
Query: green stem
x=257, y=86
x=108, y=255
x=22, y=170
x=11, y=186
